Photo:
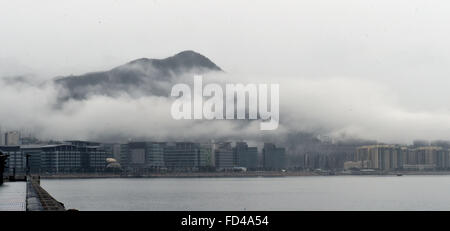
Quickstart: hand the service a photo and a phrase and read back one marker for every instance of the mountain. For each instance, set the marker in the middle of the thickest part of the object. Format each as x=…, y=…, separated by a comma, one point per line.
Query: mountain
x=139, y=77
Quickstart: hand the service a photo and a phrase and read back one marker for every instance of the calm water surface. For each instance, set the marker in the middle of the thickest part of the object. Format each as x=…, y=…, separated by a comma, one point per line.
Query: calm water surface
x=284, y=193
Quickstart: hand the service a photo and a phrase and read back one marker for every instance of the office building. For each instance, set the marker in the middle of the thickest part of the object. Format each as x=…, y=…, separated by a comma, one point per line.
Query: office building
x=72, y=156
x=60, y=158
x=207, y=156
x=224, y=156
x=274, y=158
x=245, y=156
x=112, y=150
x=142, y=155
x=15, y=163
x=182, y=156
x=425, y=158
x=382, y=157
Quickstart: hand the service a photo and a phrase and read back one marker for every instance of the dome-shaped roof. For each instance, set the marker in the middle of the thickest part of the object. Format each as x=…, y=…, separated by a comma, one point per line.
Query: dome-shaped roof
x=111, y=160
x=113, y=165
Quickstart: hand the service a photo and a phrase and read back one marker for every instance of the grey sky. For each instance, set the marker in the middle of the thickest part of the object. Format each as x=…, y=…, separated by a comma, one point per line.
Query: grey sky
x=399, y=46
x=316, y=38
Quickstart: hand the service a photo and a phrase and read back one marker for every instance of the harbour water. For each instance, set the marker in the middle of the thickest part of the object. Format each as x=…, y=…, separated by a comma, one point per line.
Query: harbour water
x=258, y=193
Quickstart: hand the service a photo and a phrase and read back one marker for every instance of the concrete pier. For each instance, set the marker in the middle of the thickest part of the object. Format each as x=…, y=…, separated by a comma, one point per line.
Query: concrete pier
x=13, y=196
x=40, y=200
x=27, y=196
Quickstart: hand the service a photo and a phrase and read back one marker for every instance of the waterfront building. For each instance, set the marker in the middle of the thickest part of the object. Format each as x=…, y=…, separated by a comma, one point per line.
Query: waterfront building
x=60, y=158
x=68, y=157
x=224, y=156
x=425, y=157
x=274, y=158
x=349, y=165
x=207, y=156
x=34, y=153
x=184, y=156
x=142, y=155
x=57, y=158
x=112, y=150
x=93, y=158
x=443, y=159
x=381, y=156
x=15, y=162
x=245, y=156
x=394, y=157
x=175, y=156
x=92, y=155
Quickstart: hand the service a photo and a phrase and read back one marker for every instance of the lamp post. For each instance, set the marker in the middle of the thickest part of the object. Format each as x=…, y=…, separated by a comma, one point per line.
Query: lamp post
x=27, y=171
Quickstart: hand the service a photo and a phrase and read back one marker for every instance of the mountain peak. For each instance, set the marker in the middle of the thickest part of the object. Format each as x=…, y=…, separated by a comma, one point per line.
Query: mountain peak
x=180, y=62
x=141, y=74
x=188, y=53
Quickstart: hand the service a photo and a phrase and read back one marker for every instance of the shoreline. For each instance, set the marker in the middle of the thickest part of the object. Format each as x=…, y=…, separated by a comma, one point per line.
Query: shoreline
x=234, y=174
x=180, y=175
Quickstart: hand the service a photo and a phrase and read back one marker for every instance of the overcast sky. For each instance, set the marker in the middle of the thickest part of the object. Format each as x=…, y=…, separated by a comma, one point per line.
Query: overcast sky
x=401, y=47
x=320, y=38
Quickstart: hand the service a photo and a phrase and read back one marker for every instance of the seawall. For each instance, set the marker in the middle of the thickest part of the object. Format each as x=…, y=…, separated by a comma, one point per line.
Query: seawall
x=40, y=200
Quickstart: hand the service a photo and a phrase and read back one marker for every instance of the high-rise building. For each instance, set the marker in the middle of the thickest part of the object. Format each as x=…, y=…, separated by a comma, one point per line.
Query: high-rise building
x=224, y=156
x=424, y=157
x=274, y=158
x=58, y=158
x=443, y=159
x=395, y=157
x=142, y=155
x=381, y=156
x=245, y=156
x=182, y=156
x=12, y=138
x=112, y=150
x=207, y=156
x=15, y=163
x=92, y=155
x=2, y=137
x=72, y=156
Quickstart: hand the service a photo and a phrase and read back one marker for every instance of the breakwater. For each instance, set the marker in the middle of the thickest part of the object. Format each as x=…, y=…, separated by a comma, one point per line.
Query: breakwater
x=38, y=199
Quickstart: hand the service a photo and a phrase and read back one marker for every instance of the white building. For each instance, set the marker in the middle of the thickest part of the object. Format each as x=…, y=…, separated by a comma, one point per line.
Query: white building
x=12, y=138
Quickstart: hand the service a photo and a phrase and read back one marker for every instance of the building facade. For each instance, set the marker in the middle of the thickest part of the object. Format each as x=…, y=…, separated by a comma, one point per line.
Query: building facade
x=142, y=155
x=224, y=156
x=396, y=157
x=33, y=154
x=274, y=158
x=182, y=156
x=245, y=156
x=15, y=163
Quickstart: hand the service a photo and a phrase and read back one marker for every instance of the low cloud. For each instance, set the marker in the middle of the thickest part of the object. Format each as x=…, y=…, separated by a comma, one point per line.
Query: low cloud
x=336, y=107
